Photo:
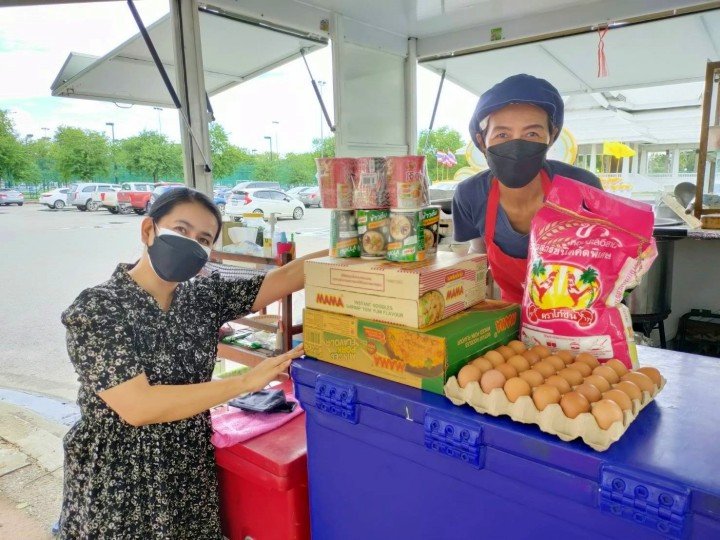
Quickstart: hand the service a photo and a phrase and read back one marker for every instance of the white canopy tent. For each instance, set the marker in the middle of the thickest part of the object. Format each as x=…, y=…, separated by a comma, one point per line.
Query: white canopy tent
x=377, y=46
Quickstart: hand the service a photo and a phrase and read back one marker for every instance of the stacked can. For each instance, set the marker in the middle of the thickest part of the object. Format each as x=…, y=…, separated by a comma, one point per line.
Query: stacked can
x=335, y=178
x=379, y=207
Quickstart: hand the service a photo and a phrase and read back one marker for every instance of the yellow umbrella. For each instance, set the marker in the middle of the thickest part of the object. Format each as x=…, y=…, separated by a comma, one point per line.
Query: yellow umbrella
x=617, y=150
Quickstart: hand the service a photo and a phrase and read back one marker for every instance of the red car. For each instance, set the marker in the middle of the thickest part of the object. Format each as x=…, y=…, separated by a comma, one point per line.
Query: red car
x=137, y=195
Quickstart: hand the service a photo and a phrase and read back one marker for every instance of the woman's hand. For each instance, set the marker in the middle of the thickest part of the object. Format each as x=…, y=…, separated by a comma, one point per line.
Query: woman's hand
x=268, y=370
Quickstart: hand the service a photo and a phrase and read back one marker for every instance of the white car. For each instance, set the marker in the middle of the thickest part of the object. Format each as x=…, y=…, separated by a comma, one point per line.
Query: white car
x=57, y=198
x=263, y=201
x=89, y=196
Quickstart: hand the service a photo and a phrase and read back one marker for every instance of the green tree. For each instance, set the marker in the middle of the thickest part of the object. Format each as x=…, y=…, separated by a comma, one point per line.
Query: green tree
x=80, y=154
x=226, y=158
x=443, y=139
x=266, y=169
x=151, y=154
x=16, y=164
x=324, y=147
x=41, y=153
x=299, y=169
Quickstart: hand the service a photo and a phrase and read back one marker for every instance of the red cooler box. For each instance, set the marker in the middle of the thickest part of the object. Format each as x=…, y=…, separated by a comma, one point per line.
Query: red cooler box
x=263, y=486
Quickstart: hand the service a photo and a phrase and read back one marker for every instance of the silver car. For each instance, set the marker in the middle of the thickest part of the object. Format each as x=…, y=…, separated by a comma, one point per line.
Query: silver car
x=310, y=196
x=11, y=196
x=88, y=196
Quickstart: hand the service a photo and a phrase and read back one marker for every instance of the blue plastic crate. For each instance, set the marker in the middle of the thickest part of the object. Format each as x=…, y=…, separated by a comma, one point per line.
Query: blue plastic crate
x=390, y=462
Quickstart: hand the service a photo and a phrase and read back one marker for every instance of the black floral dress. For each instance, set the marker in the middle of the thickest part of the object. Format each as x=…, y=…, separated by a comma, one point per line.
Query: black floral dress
x=154, y=481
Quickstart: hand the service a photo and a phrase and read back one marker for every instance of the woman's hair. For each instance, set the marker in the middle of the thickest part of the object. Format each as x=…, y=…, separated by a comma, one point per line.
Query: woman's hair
x=166, y=202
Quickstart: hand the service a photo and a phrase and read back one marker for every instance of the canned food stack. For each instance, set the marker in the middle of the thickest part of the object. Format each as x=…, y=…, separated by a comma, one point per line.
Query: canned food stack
x=379, y=208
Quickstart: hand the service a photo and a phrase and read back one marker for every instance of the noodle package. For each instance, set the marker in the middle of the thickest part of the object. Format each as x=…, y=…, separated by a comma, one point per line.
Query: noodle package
x=587, y=247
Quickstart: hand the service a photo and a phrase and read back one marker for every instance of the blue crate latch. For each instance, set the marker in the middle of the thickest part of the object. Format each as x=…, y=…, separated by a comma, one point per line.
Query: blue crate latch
x=454, y=438
x=337, y=397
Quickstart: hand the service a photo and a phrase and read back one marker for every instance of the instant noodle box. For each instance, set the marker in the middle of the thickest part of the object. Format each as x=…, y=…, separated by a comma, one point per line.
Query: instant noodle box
x=419, y=358
x=412, y=294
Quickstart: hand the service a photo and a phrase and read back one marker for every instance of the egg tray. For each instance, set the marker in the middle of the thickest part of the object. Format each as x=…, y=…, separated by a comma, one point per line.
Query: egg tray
x=550, y=420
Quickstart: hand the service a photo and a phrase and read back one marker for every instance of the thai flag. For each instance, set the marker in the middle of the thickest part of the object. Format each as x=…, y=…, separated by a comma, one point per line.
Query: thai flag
x=441, y=157
x=450, y=159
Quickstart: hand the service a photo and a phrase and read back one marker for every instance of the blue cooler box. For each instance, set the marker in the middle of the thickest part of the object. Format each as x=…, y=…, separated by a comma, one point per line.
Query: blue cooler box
x=387, y=461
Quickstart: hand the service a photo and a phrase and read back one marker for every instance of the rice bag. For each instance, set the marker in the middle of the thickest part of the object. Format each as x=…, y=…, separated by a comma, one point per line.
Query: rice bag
x=586, y=248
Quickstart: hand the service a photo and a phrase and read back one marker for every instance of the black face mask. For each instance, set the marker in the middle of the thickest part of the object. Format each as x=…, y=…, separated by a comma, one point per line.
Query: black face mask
x=515, y=163
x=175, y=257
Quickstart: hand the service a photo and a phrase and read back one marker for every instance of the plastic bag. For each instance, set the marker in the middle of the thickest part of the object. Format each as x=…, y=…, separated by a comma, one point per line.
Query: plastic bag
x=586, y=248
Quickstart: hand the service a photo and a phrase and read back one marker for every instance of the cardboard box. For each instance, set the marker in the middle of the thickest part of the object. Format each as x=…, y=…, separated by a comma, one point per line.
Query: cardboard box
x=419, y=358
x=411, y=294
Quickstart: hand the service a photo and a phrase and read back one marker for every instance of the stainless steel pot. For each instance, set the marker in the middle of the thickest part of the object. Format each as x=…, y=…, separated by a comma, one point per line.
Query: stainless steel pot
x=654, y=293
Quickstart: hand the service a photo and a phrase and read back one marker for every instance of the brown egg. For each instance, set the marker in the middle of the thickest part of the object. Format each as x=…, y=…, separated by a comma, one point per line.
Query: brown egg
x=619, y=397
x=601, y=383
x=516, y=387
x=591, y=393
x=642, y=381
x=582, y=368
x=541, y=351
x=556, y=361
x=519, y=363
x=588, y=359
x=531, y=356
x=653, y=373
x=558, y=382
x=495, y=358
x=571, y=375
x=483, y=364
x=607, y=412
x=618, y=366
x=506, y=351
x=608, y=373
x=517, y=346
x=492, y=379
x=534, y=378
x=507, y=370
x=631, y=389
x=546, y=368
x=566, y=356
x=573, y=404
x=468, y=374
x=544, y=395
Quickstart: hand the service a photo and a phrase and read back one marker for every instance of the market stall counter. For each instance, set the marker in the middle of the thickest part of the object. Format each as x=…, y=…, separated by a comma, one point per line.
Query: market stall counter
x=389, y=461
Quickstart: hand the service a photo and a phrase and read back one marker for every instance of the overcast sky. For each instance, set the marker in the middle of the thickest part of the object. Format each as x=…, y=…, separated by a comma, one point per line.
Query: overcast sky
x=35, y=41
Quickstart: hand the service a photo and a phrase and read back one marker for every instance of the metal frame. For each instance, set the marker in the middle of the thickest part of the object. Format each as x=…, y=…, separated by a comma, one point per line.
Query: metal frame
x=710, y=72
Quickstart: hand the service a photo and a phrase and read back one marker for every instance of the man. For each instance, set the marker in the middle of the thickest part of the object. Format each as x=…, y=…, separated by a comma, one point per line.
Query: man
x=514, y=125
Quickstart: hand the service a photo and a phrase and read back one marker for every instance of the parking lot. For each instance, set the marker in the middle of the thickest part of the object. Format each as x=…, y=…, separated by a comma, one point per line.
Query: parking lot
x=48, y=257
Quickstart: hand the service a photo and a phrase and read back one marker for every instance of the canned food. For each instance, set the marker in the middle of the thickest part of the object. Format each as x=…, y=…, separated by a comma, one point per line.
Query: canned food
x=336, y=182
x=344, y=241
x=370, y=183
x=406, y=239
x=407, y=182
x=373, y=232
x=430, y=217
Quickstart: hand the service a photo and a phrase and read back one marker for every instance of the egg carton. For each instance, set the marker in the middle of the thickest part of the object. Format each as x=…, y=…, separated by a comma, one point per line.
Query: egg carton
x=550, y=420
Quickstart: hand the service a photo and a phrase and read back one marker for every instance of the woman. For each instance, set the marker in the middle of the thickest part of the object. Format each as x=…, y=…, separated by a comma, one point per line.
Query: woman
x=514, y=125
x=139, y=463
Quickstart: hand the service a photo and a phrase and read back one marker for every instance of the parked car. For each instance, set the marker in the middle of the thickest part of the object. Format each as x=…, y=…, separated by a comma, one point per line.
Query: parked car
x=89, y=195
x=57, y=198
x=10, y=196
x=296, y=190
x=159, y=190
x=135, y=196
x=257, y=184
x=441, y=194
x=220, y=198
x=263, y=201
x=310, y=196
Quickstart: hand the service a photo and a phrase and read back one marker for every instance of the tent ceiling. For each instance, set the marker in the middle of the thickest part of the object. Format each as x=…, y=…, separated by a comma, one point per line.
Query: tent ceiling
x=651, y=54
x=231, y=55
x=653, y=90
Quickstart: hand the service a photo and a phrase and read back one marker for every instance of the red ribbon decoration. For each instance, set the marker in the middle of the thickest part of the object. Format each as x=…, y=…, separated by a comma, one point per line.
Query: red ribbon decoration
x=602, y=64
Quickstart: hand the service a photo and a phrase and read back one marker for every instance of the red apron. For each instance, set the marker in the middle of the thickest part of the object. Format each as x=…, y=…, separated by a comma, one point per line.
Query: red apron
x=508, y=272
